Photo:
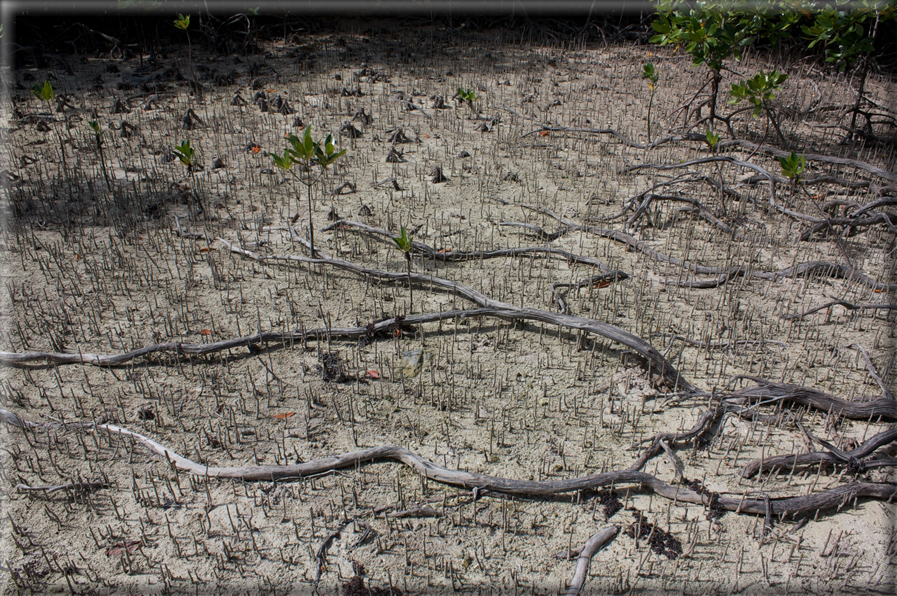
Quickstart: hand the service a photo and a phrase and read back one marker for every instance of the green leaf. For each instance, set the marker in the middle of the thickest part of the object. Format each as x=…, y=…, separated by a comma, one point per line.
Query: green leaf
x=712, y=139
x=182, y=22
x=43, y=92
x=185, y=153
x=285, y=162
x=403, y=241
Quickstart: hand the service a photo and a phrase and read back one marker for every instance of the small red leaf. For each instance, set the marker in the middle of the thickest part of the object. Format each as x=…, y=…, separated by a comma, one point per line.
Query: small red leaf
x=283, y=416
x=206, y=332
x=373, y=373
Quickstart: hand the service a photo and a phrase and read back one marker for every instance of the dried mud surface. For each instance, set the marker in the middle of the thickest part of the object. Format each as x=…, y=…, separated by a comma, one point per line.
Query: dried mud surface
x=90, y=270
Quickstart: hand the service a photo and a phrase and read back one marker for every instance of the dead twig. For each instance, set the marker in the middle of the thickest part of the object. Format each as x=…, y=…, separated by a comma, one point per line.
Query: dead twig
x=592, y=546
x=845, y=304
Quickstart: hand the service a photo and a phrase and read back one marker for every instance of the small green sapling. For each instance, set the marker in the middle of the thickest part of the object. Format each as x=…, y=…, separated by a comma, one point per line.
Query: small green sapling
x=404, y=242
x=98, y=136
x=308, y=151
x=651, y=76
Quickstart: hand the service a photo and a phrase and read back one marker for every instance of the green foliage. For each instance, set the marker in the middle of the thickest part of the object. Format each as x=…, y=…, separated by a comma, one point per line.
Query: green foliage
x=185, y=153
x=793, y=166
x=712, y=139
x=650, y=74
x=467, y=95
x=94, y=125
x=758, y=90
x=326, y=156
x=285, y=162
x=404, y=242
x=308, y=150
x=182, y=22
x=842, y=29
x=43, y=92
x=711, y=31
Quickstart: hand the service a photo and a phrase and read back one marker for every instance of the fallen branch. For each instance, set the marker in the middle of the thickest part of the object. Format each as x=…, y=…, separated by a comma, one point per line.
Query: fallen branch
x=609, y=131
x=460, y=255
x=656, y=362
x=592, y=546
x=724, y=273
x=804, y=396
x=835, y=497
x=838, y=302
x=853, y=459
x=892, y=176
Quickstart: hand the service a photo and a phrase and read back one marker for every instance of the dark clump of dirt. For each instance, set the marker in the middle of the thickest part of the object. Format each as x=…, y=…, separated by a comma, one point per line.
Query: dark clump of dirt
x=714, y=511
x=331, y=368
x=355, y=586
x=661, y=541
x=609, y=502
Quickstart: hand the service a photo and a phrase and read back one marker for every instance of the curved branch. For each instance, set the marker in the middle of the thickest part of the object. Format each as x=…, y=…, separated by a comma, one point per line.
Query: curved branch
x=838, y=302
x=592, y=546
x=462, y=255
x=783, y=462
x=862, y=165
x=769, y=390
x=725, y=273
x=826, y=499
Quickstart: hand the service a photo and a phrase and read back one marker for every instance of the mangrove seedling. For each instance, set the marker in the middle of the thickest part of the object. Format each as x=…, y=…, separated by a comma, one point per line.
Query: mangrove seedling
x=186, y=154
x=468, y=96
x=650, y=75
x=308, y=151
x=759, y=90
x=183, y=23
x=45, y=93
x=404, y=242
x=98, y=136
x=792, y=167
x=713, y=140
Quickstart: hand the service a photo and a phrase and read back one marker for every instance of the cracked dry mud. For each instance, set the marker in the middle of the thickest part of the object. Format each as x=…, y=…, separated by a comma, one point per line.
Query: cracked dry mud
x=91, y=270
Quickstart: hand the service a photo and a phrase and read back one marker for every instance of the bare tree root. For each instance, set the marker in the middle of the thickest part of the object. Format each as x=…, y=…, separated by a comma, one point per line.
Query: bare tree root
x=854, y=459
x=696, y=207
x=725, y=273
x=845, y=304
x=851, y=223
x=592, y=546
x=656, y=363
x=459, y=255
x=715, y=159
x=623, y=139
x=861, y=165
x=595, y=281
x=827, y=499
x=768, y=392
x=662, y=441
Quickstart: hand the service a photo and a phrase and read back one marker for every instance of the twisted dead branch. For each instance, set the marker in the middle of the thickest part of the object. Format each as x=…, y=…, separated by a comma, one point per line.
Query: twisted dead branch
x=592, y=546
x=839, y=302
x=855, y=459
x=769, y=392
x=459, y=255
x=827, y=499
x=724, y=274
x=769, y=150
